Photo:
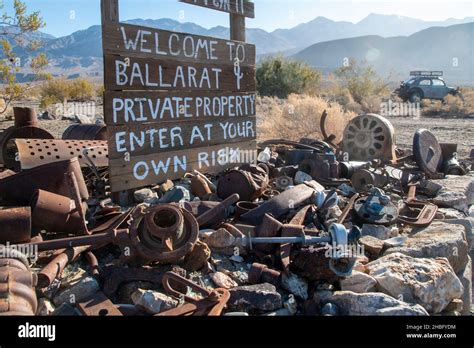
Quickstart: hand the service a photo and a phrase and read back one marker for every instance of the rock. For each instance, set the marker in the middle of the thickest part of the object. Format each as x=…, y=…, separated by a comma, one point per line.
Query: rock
x=457, y=192
x=220, y=239
x=329, y=310
x=176, y=195
x=440, y=239
x=237, y=258
x=83, y=119
x=295, y=285
x=47, y=116
x=431, y=283
x=302, y=177
x=395, y=242
x=358, y=282
x=166, y=186
x=198, y=257
x=450, y=213
x=145, y=196
x=261, y=297
x=125, y=292
x=430, y=187
x=471, y=211
x=370, y=304
x=372, y=245
x=465, y=276
x=153, y=302
x=45, y=308
x=66, y=310
x=223, y=281
x=454, y=200
x=79, y=292
x=380, y=232
x=454, y=306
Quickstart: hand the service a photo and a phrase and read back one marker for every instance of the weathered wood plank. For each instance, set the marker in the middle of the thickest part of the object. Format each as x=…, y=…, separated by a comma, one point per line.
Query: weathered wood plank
x=240, y=7
x=133, y=108
x=123, y=73
x=141, y=140
x=136, y=41
x=157, y=168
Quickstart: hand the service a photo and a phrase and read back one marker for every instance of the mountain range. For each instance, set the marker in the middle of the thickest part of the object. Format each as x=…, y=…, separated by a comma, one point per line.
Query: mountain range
x=321, y=42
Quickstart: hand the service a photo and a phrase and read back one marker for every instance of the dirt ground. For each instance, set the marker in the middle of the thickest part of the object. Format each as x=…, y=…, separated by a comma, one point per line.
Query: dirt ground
x=460, y=131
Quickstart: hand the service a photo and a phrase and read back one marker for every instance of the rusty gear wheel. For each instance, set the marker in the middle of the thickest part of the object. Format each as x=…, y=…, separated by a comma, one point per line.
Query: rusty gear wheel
x=368, y=137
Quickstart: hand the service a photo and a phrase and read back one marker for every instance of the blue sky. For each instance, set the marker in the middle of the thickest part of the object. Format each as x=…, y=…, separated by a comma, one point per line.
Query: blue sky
x=66, y=16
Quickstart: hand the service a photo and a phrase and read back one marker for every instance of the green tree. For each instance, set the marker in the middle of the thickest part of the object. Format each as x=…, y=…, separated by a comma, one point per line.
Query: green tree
x=15, y=30
x=361, y=80
x=281, y=77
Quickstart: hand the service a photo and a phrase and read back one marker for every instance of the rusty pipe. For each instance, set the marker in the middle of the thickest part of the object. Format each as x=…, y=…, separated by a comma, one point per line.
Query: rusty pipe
x=209, y=217
x=55, y=268
x=25, y=117
x=15, y=225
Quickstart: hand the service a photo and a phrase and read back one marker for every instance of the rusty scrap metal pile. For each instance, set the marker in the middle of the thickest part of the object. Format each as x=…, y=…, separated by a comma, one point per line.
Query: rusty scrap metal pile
x=258, y=239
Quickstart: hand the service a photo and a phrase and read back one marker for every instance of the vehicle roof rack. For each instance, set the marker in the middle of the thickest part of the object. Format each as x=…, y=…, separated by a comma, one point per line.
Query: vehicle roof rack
x=427, y=73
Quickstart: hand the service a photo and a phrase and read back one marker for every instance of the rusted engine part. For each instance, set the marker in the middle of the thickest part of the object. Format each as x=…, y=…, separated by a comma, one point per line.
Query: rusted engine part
x=85, y=132
x=451, y=163
x=20, y=188
x=248, y=182
x=281, y=183
x=214, y=215
x=415, y=212
x=15, y=225
x=56, y=213
x=260, y=273
x=212, y=303
x=332, y=128
x=364, y=179
x=55, y=268
x=26, y=127
x=283, y=203
x=25, y=117
x=244, y=207
x=163, y=233
x=17, y=282
x=99, y=306
x=323, y=168
x=199, y=187
x=114, y=276
x=427, y=152
x=376, y=208
x=31, y=153
x=368, y=137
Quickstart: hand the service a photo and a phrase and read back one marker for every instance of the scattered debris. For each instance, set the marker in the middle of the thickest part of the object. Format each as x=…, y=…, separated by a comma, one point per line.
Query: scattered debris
x=274, y=238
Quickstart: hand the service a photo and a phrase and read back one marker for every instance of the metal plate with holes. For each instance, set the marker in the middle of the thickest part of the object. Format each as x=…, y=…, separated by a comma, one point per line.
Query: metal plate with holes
x=31, y=153
x=427, y=151
x=99, y=306
x=368, y=137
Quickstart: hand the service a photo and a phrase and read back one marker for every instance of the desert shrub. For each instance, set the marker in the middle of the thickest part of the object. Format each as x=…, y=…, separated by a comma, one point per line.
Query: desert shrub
x=297, y=117
x=61, y=90
x=281, y=77
x=361, y=81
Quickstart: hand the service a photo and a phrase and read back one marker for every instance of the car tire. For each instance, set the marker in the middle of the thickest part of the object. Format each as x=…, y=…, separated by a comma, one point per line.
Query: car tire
x=415, y=97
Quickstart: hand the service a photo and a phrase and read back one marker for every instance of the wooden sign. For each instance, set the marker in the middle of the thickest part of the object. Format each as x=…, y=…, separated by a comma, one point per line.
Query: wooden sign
x=237, y=7
x=175, y=102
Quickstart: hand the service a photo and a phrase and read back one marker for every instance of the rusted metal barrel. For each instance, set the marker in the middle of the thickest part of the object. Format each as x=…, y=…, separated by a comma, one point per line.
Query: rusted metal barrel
x=15, y=225
x=20, y=188
x=56, y=213
x=85, y=132
x=17, y=282
x=25, y=117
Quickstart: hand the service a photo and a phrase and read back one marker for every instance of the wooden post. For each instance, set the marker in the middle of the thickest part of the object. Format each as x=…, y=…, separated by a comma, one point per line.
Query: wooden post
x=110, y=11
x=237, y=27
